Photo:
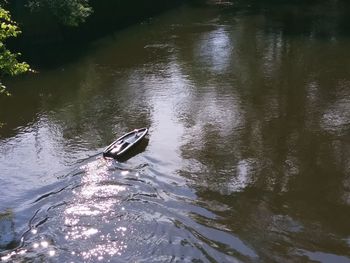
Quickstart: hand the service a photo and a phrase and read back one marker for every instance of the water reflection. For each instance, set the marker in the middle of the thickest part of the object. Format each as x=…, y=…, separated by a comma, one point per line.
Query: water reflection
x=248, y=157
x=337, y=117
x=96, y=197
x=7, y=229
x=243, y=178
x=215, y=50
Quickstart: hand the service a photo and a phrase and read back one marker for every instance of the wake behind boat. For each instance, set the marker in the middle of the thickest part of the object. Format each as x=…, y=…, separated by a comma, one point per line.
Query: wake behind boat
x=123, y=144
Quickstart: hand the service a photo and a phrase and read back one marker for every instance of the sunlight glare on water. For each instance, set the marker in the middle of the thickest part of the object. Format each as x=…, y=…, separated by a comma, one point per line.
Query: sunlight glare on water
x=93, y=199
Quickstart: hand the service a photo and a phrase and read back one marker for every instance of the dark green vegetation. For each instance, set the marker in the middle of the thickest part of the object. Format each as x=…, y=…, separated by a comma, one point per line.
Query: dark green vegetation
x=9, y=65
x=73, y=22
x=52, y=25
x=68, y=12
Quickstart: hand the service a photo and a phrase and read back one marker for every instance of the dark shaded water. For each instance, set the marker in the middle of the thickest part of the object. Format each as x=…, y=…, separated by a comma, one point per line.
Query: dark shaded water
x=248, y=156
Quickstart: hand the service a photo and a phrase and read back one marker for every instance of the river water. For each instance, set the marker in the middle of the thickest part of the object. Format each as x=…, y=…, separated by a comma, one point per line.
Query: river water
x=247, y=157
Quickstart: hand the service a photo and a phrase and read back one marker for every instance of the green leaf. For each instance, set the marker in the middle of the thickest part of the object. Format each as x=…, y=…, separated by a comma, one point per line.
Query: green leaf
x=9, y=65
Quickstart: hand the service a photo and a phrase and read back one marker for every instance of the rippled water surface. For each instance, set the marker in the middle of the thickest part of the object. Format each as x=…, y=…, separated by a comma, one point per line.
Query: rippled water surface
x=247, y=158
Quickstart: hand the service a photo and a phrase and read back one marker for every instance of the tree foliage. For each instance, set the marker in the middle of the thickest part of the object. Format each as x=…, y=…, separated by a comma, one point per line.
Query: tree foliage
x=68, y=12
x=9, y=65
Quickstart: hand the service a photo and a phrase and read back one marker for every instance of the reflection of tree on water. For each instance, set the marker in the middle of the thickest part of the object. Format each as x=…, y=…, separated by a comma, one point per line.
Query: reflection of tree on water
x=267, y=135
x=278, y=106
x=7, y=230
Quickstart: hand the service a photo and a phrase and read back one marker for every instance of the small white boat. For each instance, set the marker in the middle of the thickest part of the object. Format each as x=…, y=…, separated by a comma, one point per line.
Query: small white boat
x=124, y=143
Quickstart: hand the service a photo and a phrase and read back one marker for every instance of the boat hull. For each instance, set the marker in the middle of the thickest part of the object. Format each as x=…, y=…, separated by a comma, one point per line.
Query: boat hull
x=123, y=144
